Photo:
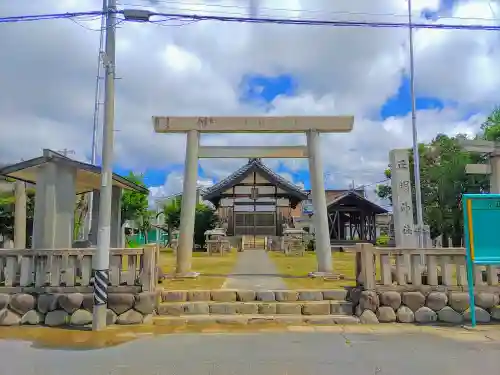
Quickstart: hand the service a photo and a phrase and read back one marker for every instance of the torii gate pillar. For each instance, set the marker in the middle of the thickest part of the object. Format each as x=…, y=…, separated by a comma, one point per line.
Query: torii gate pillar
x=493, y=168
x=193, y=126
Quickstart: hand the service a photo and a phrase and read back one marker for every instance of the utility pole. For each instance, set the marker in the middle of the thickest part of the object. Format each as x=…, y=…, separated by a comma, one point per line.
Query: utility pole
x=101, y=260
x=95, y=128
x=416, y=153
x=253, y=8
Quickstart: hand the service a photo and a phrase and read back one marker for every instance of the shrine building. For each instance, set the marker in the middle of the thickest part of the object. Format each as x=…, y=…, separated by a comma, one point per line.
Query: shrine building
x=256, y=201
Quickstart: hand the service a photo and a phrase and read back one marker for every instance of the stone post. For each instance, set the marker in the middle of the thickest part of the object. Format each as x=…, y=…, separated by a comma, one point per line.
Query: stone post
x=20, y=215
x=495, y=173
x=116, y=218
x=94, y=223
x=188, y=206
x=54, y=207
x=320, y=218
x=402, y=203
x=116, y=230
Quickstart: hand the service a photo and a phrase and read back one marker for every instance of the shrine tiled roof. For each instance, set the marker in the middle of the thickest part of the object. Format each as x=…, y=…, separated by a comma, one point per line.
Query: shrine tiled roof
x=360, y=199
x=254, y=165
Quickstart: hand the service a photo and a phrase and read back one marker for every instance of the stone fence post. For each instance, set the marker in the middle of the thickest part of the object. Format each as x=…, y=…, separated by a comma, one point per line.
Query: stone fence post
x=149, y=269
x=365, y=265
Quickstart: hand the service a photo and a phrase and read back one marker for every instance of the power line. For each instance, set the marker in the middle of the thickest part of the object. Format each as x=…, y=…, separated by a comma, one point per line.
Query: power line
x=244, y=10
x=373, y=183
x=49, y=16
x=103, y=28
x=311, y=22
x=266, y=20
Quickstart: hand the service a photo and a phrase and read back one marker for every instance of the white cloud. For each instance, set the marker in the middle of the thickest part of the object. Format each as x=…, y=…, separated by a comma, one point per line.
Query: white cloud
x=49, y=72
x=173, y=185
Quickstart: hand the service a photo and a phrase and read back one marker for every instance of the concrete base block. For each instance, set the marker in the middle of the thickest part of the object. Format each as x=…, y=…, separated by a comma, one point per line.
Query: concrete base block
x=294, y=320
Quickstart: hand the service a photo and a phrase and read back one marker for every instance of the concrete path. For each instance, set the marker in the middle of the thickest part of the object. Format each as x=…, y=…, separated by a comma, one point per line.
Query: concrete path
x=254, y=271
x=265, y=353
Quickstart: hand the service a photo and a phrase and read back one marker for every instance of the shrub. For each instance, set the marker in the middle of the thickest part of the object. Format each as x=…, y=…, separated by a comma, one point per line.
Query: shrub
x=382, y=240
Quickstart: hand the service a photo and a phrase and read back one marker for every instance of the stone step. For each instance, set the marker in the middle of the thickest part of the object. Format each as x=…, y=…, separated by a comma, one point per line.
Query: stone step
x=254, y=319
x=250, y=295
x=256, y=307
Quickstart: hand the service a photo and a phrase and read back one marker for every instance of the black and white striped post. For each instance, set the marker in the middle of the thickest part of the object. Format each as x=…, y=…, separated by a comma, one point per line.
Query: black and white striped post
x=101, y=279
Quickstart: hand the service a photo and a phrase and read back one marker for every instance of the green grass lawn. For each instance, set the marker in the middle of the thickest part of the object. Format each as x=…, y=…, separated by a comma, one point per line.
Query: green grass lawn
x=213, y=270
x=295, y=269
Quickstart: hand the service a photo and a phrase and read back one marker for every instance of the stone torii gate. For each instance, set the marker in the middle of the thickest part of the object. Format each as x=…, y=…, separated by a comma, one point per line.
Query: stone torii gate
x=312, y=126
x=493, y=168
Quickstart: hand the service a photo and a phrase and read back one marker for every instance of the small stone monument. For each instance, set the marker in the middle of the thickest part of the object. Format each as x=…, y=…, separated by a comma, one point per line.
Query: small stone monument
x=216, y=241
x=293, y=242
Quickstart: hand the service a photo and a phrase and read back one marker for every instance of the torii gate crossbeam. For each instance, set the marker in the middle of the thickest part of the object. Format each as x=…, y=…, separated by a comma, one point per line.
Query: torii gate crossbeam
x=493, y=168
x=311, y=125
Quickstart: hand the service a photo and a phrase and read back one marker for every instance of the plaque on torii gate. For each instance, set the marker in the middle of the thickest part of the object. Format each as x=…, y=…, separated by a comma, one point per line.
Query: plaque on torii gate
x=492, y=149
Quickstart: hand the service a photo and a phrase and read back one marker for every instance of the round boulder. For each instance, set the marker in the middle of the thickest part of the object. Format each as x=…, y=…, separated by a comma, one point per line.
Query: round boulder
x=436, y=300
x=145, y=302
x=120, y=302
x=80, y=317
x=71, y=302
x=495, y=312
x=405, y=315
x=368, y=317
x=21, y=303
x=32, y=317
x=47, y=302
x=9, y=318
x=414, y=300
x=130, y=317
x=486, y=300
x=482, y=315
x=4, y=301
x=110, y=317
x=88, y=302
x=386, y=314
x=459, y=301
x=391, y=299
x=425, y=315
x=448, y=315
x=368, y=300
x=56, y=318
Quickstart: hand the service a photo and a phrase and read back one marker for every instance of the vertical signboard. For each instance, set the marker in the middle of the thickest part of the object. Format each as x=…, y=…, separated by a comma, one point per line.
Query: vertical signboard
x=402, y=203
x=482, y=242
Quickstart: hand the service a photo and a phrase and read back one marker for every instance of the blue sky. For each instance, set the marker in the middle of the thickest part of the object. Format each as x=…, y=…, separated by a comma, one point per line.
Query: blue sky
x=262, y=90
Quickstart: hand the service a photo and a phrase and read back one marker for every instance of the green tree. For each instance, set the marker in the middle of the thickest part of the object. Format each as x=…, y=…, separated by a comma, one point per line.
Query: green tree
x=206, y=218
x=134, y=204
x=384, y=191
x=172, y=216
x=490, y=129
x=443, y=181
x=7, y=202
x=144, y=222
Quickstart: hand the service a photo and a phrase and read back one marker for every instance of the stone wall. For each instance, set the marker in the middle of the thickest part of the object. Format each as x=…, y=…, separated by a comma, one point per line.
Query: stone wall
x=450, y=307
x=74, y=309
